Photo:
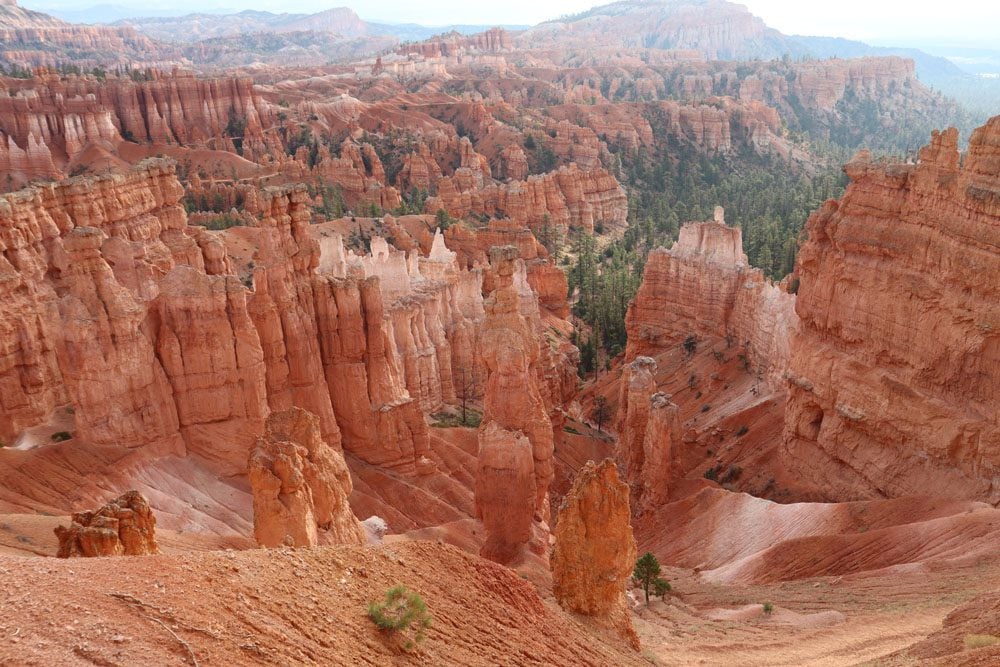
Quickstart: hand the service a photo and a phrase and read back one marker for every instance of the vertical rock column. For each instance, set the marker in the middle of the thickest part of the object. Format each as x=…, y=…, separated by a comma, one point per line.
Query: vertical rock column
x=648, y=430
x=513, y=411
x=594, y=550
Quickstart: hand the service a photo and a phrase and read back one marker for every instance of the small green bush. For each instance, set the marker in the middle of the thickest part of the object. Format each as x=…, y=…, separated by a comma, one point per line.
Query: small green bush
x=661, y=587
x=743, y=430
x=768, y=608
x=404, y=612
x=62, y=436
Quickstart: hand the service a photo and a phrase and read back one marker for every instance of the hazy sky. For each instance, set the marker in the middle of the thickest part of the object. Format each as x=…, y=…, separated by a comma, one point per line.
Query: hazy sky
x=965, y=22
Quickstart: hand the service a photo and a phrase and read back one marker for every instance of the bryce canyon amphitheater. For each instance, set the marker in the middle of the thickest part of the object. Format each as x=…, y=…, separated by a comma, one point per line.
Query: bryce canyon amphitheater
x=300, y=308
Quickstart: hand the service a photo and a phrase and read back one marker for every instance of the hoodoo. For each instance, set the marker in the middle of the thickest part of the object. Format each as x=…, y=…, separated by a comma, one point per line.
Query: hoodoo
x=513, y=410
x=300, y=486
x=594, y=550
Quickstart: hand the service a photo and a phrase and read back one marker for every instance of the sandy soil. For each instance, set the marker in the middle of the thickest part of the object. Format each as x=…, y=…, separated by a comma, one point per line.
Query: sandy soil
x=282, y=607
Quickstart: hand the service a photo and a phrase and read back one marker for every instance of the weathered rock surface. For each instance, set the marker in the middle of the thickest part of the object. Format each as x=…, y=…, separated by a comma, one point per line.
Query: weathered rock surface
x=300, y=485
x=648, y=430
x=110, y=293
x=566, y=198
x=514, y=413
x=47, y=123
x=505, y=492
x=894, y=378
x=703, y=286
x=124, y=527
x=594, y=550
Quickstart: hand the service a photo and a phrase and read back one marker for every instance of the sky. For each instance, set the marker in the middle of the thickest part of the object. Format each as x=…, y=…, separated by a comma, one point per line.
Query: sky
x=896, y=22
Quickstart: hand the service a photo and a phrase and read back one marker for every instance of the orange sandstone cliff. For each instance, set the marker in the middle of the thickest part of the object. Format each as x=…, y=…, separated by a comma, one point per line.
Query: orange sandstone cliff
x=894, y=378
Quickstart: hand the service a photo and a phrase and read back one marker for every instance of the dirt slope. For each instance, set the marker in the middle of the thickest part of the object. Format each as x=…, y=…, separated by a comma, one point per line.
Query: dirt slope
x=305, y=606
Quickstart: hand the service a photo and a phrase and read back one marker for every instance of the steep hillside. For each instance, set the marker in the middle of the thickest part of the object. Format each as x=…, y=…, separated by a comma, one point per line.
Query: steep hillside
x=285, y=607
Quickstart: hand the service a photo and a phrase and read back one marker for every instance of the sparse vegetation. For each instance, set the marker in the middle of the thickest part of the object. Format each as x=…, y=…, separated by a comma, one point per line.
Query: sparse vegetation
x=661, y=587
x=402, y=614
x=601, y=412
x=646, y=572
x=443, y=219
x=471, y=419
x=732, y=474
x=768, y=608
x=62, y=436
x=224, y=221
x=743, y=430
x=690, y=345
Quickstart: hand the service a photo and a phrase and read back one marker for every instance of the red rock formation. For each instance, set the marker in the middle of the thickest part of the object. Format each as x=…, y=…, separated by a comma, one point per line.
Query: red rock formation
x=648, y=431
x=505, y=492
x=35, y=39
x=218, y=390
x=358, y=172
x=567, y=197
x=894, y=375
x=123, y=527
x=419, y=171
x=703, y=286
x=300, y=486
x=452, y=44
x=594, y=550
x=45, y=123
x=514, y=163
x=512, y=401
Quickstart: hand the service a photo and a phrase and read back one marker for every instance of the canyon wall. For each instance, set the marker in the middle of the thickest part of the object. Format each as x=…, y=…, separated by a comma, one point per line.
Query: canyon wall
x=704, y=287
x=46, y=122
x=108, y=293
x=566, y=198
x=894, y=374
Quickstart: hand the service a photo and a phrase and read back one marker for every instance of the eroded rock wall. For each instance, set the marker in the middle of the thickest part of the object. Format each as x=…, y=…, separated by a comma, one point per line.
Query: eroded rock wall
x=704, y=287
x=894, y=379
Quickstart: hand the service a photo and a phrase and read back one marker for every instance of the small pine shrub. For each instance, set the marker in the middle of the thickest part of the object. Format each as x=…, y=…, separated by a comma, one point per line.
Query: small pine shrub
x=661, y=587
x=743, y=430
x=768, y=608
x=403, y=612
x=732, y=474
x=61, y=436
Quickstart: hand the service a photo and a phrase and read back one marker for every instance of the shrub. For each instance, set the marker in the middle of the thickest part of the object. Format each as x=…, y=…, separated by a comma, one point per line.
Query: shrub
x=690, y=345
x=661, y=587
x=62, y=436
x=732, y=474
x=404, y=612
x=712, y=473
x=743, y=430
x=768, y=608
x=646, y=572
